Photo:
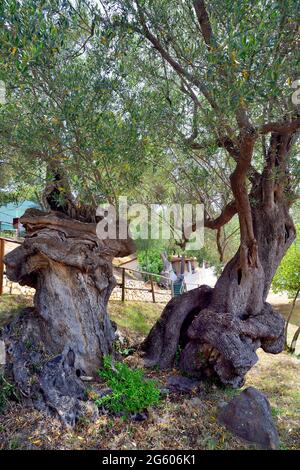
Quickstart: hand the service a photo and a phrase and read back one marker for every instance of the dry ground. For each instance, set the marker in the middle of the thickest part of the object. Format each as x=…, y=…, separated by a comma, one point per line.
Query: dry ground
x=179, y=422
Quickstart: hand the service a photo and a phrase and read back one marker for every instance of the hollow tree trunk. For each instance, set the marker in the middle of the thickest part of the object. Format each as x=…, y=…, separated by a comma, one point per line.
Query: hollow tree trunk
x=234, y=320
x=68, y=331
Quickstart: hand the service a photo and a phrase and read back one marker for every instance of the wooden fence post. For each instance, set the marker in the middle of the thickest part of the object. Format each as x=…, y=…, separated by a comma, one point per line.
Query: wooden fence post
x=1, y=264
x=123, y=284
x=152, y=289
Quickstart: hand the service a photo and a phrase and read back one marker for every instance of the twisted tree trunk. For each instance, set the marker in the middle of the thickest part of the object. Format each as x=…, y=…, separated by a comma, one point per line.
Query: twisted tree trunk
x=68, y=331
x=220, y=329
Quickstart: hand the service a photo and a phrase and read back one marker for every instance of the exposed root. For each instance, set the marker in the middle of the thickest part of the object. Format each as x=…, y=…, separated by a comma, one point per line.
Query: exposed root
x=169, y=332
x=214, y=343
x=48, y=383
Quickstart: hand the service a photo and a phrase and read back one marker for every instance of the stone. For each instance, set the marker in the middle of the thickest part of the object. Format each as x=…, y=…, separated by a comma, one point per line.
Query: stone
x=248, y=415
x=119, y=337
x=2, y=353
x=164, y=391
x=196, y=402
x=222, y=404
x=139, y=417
x=104, y=392
x=89, y=410
x=178, y=383
x=86, y=378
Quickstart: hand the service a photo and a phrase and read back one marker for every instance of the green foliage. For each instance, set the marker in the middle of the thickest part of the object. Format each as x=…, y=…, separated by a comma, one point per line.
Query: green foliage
x=80, y=118
x=11, y=305
x=131, y=391
x=89, y=94
x=287, y=277
x=7, y=392
x=123, y=347
x=150, y=261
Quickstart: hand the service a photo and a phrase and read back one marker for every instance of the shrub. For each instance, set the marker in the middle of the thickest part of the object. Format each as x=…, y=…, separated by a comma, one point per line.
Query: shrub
x=287, y=277
x=131, y=392
x=150, y=261
x=7, y=391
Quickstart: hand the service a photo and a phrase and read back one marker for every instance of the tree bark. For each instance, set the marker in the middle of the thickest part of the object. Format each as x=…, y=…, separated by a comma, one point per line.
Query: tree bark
x=224, y=327
x=68, y=331
x=223, y=337
x=294, y=341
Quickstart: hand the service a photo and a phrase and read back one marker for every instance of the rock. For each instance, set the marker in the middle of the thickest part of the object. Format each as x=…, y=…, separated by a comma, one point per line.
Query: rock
x=222, y=404
x=196, y=402
x=86, y=378
x=164, y=391
x=248, y=415
x=2, y=356
x=178, y=383
x=120, y=337
x=139, y=417
x=103, y=392
x=89, y=410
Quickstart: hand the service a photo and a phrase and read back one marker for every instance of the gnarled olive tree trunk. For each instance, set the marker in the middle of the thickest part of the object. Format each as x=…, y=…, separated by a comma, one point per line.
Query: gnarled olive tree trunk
x=219, y=330
x=68, y=331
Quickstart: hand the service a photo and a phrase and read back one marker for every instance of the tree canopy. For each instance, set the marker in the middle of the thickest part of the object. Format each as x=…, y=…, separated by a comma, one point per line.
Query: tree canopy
x=149, y=98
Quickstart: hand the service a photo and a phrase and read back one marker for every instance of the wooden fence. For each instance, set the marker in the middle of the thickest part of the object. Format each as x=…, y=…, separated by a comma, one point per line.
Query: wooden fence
x=1, y=264
x=121, y=284
x=2, y=252
x=151, y=277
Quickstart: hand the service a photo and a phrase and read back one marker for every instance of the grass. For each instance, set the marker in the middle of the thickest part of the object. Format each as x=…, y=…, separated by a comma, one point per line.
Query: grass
x=178, y=422
x=7, y=392
x=135, y=317
x=10, y=305
x=279, y=378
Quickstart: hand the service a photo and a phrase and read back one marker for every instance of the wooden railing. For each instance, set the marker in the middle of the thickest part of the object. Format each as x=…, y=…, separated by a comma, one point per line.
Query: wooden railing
x=151, y=276
x=121, y=284
x=1, y=264
x=2, y=251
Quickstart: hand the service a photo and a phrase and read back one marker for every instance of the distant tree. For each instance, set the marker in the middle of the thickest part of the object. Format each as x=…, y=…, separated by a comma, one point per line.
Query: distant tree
x=287, y=279
x=150, y=261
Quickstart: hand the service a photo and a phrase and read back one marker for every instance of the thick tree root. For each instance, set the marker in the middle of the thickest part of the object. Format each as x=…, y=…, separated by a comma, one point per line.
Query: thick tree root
x=168, y=333
x=48, y=383
x=214, y=343
x=226, y=345
x=68, y=332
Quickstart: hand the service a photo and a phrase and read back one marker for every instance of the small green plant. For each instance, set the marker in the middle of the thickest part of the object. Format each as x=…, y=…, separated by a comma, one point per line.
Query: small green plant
x=231, y=392
x=178, y=354
x=277, y=411
x=7, y=391
x=211, y=443
x=15, y=444
x=131, y=392
x=123, y=348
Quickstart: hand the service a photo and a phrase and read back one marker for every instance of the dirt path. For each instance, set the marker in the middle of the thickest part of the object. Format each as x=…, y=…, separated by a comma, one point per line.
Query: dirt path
x=283, y=304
